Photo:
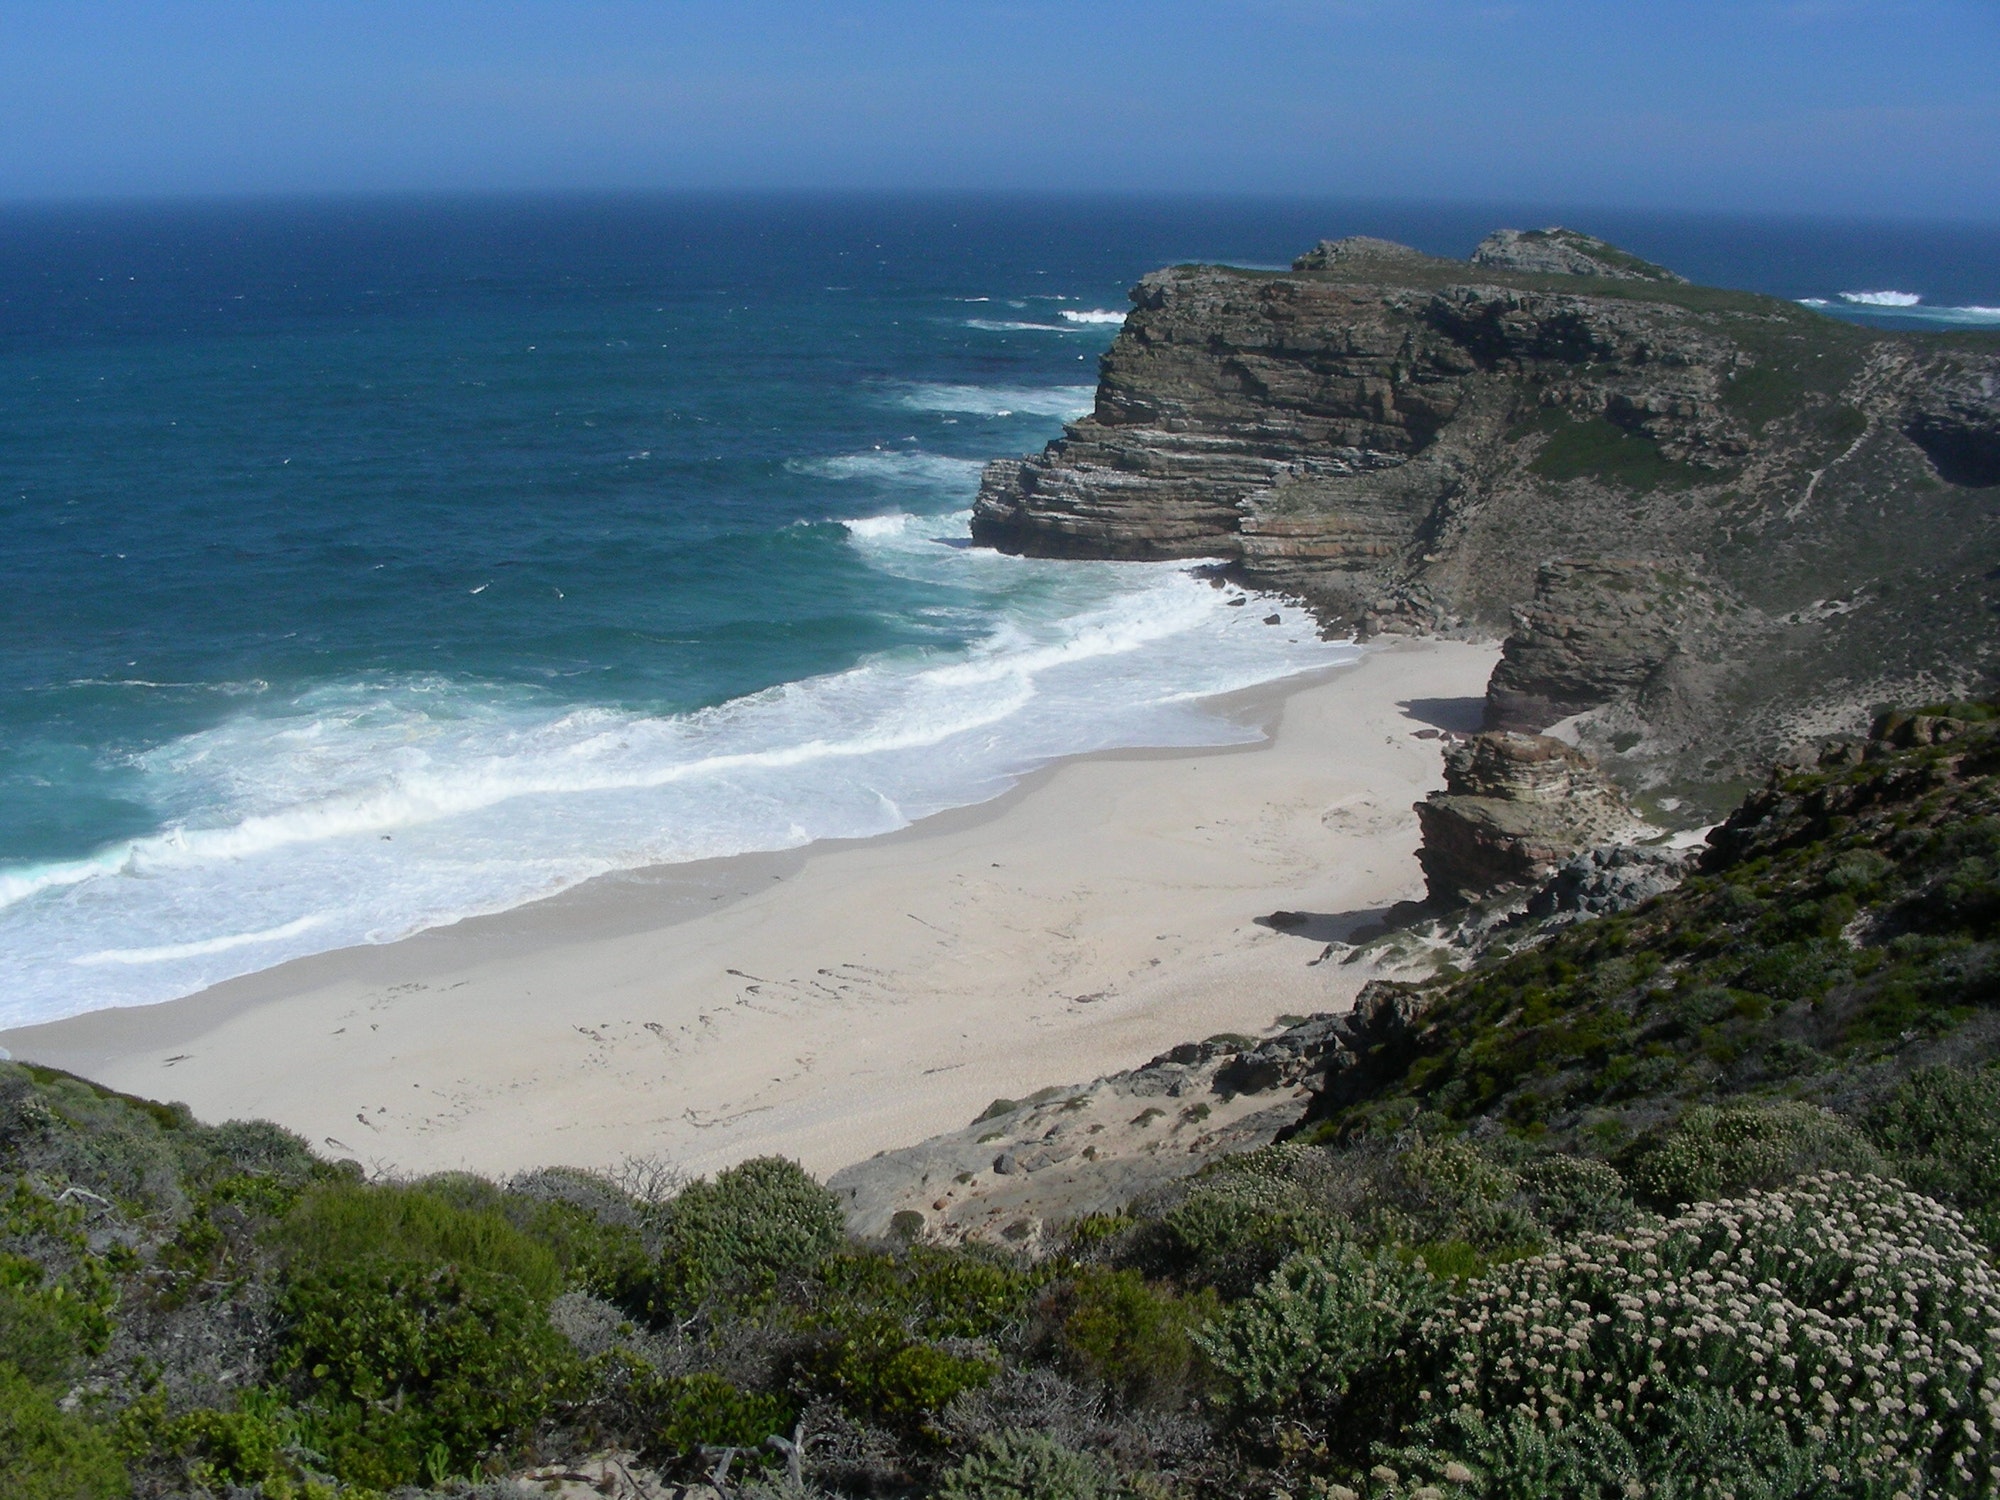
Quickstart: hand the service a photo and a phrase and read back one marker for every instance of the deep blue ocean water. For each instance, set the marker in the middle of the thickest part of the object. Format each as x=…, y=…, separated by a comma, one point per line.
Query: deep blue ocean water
x=366, y=565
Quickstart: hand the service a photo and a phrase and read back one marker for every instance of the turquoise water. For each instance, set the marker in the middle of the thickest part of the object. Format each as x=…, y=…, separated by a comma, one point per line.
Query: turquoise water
x=370, y=565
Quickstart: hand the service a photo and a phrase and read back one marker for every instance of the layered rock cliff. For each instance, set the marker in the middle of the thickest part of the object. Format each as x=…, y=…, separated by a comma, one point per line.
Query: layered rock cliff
x=1769, y=522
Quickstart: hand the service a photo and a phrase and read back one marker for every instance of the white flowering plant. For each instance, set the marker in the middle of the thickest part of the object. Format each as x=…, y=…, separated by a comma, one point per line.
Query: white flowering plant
x=1840, y=1336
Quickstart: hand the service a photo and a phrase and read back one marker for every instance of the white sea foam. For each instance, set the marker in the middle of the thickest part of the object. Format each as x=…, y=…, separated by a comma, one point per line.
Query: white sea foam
x=999, y=325
x=935, y=472
x=1093, y=315
x=1879, y=304
x=1065, y=401
x=366, y=810
x=198, y=949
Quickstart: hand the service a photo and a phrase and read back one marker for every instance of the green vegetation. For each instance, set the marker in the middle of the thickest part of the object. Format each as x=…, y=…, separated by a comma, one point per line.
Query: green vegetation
x=1598, y=448
x=1699, y=1198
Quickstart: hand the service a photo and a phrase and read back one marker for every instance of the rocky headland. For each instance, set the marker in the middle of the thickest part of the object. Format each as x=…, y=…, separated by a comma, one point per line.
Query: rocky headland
x=1714, y=525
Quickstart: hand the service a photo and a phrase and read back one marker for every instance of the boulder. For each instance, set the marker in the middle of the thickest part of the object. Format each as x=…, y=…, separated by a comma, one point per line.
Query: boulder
x=1609, y=879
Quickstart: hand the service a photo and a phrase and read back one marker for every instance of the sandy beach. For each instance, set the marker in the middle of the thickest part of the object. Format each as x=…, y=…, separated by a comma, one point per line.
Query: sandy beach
x=846, y=998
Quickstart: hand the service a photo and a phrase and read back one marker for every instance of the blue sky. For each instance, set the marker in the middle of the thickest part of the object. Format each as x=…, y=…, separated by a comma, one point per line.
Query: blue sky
x=1861, y=108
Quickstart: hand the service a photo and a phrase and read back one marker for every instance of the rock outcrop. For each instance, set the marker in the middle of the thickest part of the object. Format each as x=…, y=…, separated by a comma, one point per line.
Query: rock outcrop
x=1404, y=442
x=1609, y=879
x=1556, y=251
x=1024, y=1168
x=1514, y=808
x=1596, y=632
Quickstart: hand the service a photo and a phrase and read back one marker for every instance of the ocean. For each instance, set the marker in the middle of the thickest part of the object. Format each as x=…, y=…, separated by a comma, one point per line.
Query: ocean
x=367, y=565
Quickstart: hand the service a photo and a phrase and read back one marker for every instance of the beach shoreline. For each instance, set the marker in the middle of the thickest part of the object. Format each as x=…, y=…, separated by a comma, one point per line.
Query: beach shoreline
x=849, y=996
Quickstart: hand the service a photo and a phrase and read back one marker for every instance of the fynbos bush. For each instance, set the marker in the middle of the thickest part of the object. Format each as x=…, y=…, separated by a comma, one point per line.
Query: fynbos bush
x=1845, y=1321
x=1297, y=1343
x=1713, y=1152
x=752, y=1225
x=1027, y=1466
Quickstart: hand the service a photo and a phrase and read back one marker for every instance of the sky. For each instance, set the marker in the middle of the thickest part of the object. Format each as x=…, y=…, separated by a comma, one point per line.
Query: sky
x=1888, y=109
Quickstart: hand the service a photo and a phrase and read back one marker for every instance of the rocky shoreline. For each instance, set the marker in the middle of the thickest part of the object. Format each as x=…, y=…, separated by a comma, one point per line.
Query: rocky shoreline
x=1672, y=499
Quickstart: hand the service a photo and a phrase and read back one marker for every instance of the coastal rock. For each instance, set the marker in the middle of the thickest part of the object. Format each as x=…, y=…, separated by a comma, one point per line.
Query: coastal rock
x=1596, y=632
x=1565, y=252
x=1609, y=879
x=1403, y=442
x=1356, y=249
x=1514, y=807
x=1017, y=1172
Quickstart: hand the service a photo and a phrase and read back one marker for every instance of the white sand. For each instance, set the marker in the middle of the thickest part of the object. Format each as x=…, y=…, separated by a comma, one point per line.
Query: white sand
x=860, y=996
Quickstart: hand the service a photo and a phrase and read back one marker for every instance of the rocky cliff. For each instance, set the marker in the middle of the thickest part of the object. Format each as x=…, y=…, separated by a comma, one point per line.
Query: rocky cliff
x=1770, y=522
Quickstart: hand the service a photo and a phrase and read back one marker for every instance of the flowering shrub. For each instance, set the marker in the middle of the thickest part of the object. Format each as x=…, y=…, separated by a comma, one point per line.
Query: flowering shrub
x=1844, y=1326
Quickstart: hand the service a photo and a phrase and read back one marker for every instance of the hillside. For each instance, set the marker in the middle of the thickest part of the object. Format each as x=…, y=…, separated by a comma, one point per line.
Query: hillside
x=1801, y=518
x=1695, y=1197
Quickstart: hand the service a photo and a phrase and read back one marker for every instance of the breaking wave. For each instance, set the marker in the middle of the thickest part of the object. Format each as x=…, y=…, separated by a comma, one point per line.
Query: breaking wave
x=363, y=811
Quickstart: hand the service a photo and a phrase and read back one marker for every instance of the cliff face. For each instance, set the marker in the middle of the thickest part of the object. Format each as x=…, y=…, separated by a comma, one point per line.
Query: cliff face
x=1406, y=442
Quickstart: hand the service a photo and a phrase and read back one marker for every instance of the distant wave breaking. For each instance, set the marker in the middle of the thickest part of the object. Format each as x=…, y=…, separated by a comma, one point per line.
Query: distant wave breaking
x=1905, y=307
x=1066, y=401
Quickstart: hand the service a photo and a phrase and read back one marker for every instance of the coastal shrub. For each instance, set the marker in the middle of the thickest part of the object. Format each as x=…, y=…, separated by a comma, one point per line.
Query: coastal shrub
x=1843, y=1321
x=1941, y=1126
x=961, y=1293
x=338, y=1224
x=1577, y=1195
x=746, y=1230
x=47, y=1453
x=704, y=1409
x=260, y=1149
x=253, y=1443
x=875, y=1368
x=607, y=1260
x=402, y=1366
x=1130, y=1336
x=1234, y=1228
x=1296, y=1346
x=40, y=1331
x=1457, y=1193
x=1017, y=1465
x=1716, y=1151
x=56, y=1295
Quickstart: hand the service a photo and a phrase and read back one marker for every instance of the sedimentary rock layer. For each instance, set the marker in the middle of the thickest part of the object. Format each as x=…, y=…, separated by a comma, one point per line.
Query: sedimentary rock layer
x=1812, y=509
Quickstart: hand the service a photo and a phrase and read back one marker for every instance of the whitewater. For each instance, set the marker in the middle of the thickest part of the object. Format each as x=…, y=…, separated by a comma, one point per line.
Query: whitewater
x=363, y=812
